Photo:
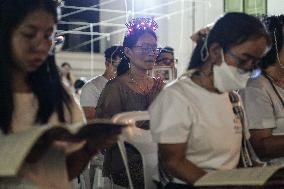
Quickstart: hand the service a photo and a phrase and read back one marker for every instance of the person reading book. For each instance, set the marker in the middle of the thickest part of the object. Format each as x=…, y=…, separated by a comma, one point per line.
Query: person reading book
x=192, y=120
x=263, y=98
x=31, y=94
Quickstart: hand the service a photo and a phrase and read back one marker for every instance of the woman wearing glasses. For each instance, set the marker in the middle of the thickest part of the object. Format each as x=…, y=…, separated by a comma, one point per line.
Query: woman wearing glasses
x=131, y=90
x=192, y=120
x=264, y=98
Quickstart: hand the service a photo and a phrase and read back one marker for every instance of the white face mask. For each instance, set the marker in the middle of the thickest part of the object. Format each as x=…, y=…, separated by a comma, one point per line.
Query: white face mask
x=228, y=78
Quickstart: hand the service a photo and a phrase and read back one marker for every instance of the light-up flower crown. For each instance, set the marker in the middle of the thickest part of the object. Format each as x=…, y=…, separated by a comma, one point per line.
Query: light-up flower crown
x=140, y=24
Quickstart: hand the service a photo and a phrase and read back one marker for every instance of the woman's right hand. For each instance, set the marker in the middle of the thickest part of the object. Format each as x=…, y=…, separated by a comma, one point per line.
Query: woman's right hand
x=101, y=141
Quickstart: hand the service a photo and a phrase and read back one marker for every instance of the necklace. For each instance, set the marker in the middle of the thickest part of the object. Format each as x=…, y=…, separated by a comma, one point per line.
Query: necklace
x=143, y=90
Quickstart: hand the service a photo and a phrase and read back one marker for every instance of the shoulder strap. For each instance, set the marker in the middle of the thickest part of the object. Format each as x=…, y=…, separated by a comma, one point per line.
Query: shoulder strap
x=248, y=156
x=238, y=110
x=274, y=88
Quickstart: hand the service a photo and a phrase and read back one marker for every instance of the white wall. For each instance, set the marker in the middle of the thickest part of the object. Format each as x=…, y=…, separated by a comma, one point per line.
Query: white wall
x=275, y=7
x=177, y=31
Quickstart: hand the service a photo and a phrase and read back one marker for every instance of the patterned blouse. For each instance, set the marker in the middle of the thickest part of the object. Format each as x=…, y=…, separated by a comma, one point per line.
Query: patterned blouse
x=118, y=97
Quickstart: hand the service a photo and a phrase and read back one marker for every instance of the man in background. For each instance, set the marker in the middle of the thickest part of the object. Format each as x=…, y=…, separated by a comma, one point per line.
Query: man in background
x=166, y=58
x=92, y=89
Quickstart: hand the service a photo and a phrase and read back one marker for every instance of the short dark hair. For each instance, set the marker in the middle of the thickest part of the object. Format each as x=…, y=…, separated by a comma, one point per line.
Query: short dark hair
x=230, y=30
x=274, y=25
x=166, y=49
x=79, y=83
x=114, y=51
x=65, y=64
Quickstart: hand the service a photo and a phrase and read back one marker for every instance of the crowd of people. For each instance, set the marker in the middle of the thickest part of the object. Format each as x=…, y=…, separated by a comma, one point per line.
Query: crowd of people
x=194, y=120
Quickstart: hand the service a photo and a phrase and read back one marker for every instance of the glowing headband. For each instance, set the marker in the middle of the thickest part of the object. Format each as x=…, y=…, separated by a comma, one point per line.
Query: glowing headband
x=140, y=24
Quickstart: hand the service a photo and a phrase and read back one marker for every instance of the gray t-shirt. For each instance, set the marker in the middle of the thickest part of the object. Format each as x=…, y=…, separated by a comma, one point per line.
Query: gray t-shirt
x=91, y=91
x=264, y=109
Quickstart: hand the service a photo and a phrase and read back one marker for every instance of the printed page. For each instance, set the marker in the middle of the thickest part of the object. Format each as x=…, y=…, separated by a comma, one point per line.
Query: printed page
x=244, y=176
x=14, y=148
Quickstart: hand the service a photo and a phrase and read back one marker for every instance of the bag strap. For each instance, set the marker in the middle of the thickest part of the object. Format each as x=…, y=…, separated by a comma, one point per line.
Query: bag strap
x=164, y=176
x=248, y=155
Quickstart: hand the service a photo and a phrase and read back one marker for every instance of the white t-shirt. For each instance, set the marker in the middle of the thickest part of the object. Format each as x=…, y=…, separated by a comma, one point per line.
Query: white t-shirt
x=91, y=91
x=264, y=109
x=184, y=112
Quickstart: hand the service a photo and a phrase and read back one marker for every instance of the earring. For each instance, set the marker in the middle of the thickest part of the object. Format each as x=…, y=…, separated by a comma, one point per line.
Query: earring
x=204, y=53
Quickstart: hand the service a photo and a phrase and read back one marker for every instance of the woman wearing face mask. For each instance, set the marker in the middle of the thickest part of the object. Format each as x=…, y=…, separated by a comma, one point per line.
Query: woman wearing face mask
x=192, y=120
x=263, y=98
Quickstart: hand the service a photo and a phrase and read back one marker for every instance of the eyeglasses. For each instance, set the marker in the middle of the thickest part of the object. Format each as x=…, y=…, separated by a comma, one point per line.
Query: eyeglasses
x=241, y=62
x=166, y=61
x=148, y=50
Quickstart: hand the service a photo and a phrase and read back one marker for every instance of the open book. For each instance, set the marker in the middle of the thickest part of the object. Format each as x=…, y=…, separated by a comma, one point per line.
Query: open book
x=255, y=176
x=14, y=148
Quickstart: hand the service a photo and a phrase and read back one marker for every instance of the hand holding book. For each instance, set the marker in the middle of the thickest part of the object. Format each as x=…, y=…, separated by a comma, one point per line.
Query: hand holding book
x=32, y=143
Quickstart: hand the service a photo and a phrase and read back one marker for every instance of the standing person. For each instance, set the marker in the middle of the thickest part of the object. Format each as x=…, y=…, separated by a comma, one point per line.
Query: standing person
x=166, y=57
x=189, y=116
x=67, y=76
x=263, y=98
x=32, y=94
x=131, y=90
x=91, y=91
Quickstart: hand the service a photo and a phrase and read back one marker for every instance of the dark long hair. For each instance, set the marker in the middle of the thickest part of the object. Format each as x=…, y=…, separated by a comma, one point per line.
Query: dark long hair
x=45, y=82
x=274, y=25
x=130, y=41
x=230, y=30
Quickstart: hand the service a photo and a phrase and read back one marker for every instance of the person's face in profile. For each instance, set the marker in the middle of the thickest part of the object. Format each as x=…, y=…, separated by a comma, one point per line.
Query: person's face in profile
x=31, y=40
x=66, y=69
x=166, y=59
x=115, y=61
x=247, y=55
x=113, y=64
